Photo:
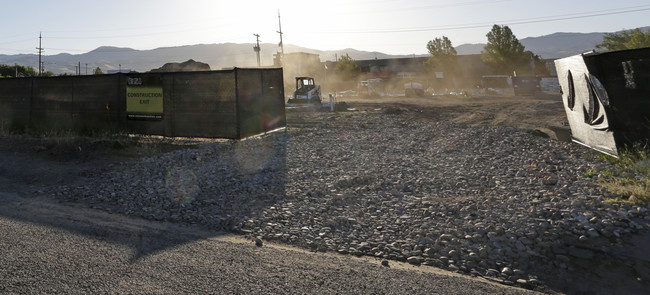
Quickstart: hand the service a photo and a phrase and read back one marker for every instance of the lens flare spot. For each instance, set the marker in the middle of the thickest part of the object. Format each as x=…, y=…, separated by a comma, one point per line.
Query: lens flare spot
x=182, y=185
x=252, y=157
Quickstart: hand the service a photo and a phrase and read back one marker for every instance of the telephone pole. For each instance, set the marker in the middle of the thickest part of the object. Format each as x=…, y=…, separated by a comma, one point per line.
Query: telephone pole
x=40, y=51
x=281, y=44
x=257, y=49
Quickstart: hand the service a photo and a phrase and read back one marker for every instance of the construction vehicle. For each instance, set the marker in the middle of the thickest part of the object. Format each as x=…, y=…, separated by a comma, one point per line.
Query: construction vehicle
x=308, y=96
x=413, y=89
x=363, y=89
x=371, y=88
x=307, y=92
x=526, y=85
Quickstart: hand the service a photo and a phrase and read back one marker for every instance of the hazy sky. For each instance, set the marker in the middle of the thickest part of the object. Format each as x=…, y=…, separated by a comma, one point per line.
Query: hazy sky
x=389, y=26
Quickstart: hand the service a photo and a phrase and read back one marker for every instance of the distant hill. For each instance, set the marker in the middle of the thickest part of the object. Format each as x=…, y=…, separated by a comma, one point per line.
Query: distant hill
x=467, y=49
x=218, y=56
x=188, y=66
x=556, y=45
x=561, y=45
x=227, y=55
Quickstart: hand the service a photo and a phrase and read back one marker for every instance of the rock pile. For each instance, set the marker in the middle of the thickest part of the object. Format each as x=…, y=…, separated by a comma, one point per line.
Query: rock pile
x=488, y=201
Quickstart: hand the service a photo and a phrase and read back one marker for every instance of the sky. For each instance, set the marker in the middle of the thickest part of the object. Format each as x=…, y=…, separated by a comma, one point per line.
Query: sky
x=387, y=26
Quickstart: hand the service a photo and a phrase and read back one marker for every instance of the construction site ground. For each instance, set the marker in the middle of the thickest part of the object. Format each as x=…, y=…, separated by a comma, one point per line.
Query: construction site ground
x=28, y=166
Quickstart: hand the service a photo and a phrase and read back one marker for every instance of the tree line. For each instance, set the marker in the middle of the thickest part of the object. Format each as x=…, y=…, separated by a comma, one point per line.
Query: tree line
x=503, y=53
x=17, y=71
x=8, y=71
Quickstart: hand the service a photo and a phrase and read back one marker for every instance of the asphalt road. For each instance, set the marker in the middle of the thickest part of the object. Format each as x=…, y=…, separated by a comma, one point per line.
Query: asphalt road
x=48, y=248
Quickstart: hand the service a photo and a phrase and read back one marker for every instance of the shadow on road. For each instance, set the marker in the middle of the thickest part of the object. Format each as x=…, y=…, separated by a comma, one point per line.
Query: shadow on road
x=203, y=195
x=144, y=237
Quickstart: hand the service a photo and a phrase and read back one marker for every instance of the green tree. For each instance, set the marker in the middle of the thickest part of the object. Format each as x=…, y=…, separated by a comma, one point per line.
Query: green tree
x=10, y=71
x=538, y=63
x=347, y=68
x=443, y=56
x=7, y=71
x=98, y=71
x=503, y=52
x=630, y=39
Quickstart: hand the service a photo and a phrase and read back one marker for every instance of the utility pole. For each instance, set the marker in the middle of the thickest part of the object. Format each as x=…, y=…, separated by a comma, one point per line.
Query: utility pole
x=40, y=50
x=257, y=49
x=281, y=44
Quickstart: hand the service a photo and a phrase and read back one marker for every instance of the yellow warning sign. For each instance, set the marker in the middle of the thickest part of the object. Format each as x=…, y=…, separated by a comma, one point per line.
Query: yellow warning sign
x=144, y=100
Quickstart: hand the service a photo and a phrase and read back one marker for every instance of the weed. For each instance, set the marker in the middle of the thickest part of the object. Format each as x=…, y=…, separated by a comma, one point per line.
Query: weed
x=630, y=177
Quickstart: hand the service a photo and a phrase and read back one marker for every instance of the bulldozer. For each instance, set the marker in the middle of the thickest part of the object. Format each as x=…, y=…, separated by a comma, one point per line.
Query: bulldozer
x=307, y=92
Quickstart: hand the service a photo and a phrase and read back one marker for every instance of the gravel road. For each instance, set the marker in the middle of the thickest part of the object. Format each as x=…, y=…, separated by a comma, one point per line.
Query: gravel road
x=50, y=248
x=393, y=183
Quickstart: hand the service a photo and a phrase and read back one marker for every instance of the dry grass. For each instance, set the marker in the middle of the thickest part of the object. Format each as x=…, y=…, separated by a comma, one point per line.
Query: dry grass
x=630, y=177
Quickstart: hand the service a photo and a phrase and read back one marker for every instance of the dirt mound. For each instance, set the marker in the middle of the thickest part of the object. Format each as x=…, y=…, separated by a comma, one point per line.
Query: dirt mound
x=188, y=66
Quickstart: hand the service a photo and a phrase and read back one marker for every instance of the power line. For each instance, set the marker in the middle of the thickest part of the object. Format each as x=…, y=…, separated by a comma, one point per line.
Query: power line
x=427, y=7
x=510, y=22
x=17, y=41
x=137, y=35
x=67, y=49
x=561, y=17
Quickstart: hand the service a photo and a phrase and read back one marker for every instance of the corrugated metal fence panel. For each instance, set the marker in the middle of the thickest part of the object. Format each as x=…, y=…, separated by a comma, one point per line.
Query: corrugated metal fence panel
x=52, y=103
x=15, y=97
x=96, y=103
x=203, y=105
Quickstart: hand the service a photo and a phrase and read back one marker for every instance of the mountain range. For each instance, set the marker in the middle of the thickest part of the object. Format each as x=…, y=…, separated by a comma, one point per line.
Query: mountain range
x=557, y=45
x=227, y=55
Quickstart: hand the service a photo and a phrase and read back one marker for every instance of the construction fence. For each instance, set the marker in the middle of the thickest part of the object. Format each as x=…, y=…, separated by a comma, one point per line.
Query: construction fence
x=231, y=104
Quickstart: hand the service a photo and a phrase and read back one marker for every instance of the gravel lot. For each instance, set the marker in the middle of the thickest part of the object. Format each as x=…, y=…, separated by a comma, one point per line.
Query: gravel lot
x=394, y=182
